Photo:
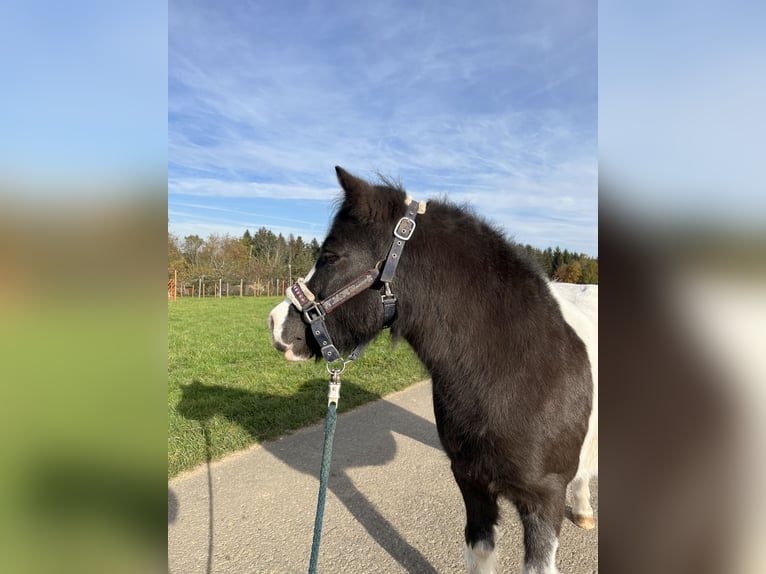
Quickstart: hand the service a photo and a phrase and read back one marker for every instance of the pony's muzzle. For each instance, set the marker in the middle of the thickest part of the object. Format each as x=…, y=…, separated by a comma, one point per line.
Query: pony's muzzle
x=277, y=319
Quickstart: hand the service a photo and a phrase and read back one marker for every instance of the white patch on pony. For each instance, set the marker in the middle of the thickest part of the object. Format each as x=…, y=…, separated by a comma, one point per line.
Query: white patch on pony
x=310, y=273
x=480, y=558
x=277, y=319
x=291, y=356
x=582, y=511
x=277, y=322
x=550, y=567
x=579, y=305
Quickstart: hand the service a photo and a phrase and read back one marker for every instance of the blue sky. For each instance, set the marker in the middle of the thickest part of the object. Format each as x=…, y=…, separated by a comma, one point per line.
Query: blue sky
x=682, y=117
x=490, y=103
x=84, y=95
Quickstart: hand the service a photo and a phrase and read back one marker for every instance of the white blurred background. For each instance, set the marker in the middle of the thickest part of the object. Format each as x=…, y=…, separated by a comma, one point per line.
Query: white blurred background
x=683, y=244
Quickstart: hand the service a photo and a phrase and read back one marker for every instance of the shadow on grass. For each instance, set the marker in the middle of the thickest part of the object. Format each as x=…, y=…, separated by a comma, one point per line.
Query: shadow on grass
x=261, y=413
x=255, y=413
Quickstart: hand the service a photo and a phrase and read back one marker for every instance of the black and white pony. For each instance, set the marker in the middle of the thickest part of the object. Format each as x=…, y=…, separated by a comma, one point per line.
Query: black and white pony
x=512, y=357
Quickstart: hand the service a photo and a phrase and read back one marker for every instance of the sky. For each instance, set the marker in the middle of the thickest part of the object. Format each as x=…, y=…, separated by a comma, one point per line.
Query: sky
x=681, y=117
x=488, y=103
x=84, y=93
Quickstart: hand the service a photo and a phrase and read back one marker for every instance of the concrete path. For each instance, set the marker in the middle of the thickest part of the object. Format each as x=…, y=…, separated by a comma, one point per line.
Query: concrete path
x=392, y=505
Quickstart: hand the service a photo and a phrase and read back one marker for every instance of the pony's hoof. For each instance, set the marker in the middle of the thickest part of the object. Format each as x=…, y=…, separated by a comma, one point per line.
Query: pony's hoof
x=585, y=521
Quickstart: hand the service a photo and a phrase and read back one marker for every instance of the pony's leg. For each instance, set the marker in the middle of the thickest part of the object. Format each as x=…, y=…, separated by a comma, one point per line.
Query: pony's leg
x=582, y=512
x=481, y=516
x=542, y=517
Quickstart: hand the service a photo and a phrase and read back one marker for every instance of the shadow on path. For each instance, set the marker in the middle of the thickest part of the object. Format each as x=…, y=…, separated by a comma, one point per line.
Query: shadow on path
x=202, y=402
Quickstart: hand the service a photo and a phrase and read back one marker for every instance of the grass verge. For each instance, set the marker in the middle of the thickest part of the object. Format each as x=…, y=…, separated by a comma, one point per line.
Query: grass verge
x=229, y=388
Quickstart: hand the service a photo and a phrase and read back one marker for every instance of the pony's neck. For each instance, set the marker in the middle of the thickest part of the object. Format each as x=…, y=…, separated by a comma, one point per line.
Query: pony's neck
x=437, y=281
x=458, y=278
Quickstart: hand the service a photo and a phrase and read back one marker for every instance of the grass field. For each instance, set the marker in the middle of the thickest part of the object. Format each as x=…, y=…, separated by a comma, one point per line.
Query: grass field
x=228, y=388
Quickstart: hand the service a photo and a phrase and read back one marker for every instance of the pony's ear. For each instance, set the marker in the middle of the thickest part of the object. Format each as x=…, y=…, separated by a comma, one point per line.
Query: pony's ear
x=353, y=186
x=369, y=204
x=360, y=197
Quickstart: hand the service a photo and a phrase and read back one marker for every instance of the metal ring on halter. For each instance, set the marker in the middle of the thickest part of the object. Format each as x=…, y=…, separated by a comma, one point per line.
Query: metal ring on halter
x=335, y=370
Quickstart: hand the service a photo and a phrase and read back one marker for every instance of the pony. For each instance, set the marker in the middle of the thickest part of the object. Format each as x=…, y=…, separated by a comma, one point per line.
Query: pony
x=514, y=382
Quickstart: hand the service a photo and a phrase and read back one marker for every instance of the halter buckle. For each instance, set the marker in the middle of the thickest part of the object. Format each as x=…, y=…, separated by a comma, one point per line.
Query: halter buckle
x=311, y=319
x=389, y=305
x=404, y=228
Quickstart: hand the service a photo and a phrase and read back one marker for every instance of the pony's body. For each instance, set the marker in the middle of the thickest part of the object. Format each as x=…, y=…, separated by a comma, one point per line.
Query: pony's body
x=512, y=383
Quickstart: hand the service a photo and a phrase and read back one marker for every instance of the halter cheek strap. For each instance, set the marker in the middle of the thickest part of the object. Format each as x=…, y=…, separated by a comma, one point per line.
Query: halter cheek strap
x=402, y=233
x=314, y=312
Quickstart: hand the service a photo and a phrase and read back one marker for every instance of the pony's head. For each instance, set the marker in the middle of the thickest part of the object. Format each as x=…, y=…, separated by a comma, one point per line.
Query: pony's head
x=358, y=240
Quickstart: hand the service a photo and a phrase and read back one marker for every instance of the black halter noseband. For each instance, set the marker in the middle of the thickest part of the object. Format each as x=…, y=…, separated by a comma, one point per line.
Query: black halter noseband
x=314, y=312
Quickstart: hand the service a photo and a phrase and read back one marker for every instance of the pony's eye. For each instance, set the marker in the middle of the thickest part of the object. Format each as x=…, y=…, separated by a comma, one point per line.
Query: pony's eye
x=330, y=258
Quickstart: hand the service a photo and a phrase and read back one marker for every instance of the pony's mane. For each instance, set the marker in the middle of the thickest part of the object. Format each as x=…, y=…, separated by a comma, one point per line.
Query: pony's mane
x=492, y=232
x=390, y=182
x=384, y=181
x=460, y=212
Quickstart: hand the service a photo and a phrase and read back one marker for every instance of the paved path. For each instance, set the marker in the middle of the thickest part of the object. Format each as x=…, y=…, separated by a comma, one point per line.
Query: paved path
x=392, y=505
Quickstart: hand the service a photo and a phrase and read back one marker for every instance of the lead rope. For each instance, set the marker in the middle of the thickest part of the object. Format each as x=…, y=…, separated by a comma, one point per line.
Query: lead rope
x=333, y=396
x=305, y=301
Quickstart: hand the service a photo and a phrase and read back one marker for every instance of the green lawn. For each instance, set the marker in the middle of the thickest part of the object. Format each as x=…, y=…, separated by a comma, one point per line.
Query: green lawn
x=229, y=388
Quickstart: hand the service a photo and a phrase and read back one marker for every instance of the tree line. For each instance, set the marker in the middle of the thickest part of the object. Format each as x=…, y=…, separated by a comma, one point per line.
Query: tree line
x=566, y=266
x=256, y=260
x=261, y=259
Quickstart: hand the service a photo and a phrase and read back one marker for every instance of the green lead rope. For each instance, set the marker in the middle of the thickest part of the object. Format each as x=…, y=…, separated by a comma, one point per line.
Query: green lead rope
x=324, y=472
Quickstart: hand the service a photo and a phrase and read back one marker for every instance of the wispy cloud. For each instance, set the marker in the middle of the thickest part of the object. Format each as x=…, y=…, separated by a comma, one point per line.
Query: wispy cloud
x=493, y=105
x=213, y=187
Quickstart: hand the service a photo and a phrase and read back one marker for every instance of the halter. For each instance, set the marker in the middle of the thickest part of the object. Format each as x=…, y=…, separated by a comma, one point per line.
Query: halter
x=314, y=312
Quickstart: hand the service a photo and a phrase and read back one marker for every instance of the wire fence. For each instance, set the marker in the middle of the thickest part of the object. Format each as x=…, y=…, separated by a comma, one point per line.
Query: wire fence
x=202, y=288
